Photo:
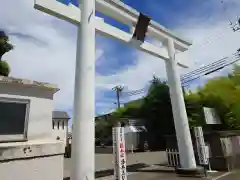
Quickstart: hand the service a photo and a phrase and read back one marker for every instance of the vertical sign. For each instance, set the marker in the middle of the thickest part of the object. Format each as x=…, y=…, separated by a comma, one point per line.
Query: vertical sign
x=227, y=146
x=120, y=170
x=201, y=148
x=121, y=154
x=115, y=158
x=211, y=116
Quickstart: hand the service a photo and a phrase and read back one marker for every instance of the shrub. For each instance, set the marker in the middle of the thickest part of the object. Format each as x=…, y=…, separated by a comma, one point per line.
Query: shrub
x=4, y=68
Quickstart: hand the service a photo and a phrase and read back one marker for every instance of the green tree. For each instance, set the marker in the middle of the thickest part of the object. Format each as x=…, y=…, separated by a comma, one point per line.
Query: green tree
x=235, y=75
x=4, y=68
x=101, y=129
x=223, y=94
x=5, y=47
x=194, y=108
x=157, y=113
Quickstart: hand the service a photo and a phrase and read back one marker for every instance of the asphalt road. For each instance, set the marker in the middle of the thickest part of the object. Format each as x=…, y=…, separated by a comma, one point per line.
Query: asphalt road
x=104, y=162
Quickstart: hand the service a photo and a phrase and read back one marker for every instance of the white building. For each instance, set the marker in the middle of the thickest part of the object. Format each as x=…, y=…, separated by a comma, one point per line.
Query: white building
x=60, y=126
x=27, y=146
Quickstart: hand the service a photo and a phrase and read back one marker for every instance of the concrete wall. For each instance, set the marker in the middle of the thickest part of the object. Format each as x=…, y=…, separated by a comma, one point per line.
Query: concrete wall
x=31, y=161
x=40, y=156
x=60, y=129
x=46, y=168
x=41, y=106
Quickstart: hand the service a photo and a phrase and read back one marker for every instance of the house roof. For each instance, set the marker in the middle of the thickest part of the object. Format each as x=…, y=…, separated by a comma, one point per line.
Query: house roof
x=102, y=116
x=60, y=115
x=26, y=82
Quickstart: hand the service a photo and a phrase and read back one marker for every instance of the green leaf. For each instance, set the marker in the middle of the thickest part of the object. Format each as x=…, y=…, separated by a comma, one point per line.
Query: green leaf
x=4, y=68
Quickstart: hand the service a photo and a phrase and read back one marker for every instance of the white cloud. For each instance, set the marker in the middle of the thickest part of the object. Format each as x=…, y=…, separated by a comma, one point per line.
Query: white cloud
x=49, y=52
x=212, y=39
x=44, y=48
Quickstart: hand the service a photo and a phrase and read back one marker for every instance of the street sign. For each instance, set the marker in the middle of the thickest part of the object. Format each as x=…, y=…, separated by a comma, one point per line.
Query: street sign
x=115, y=158
x=119, y=153
x=203, y=152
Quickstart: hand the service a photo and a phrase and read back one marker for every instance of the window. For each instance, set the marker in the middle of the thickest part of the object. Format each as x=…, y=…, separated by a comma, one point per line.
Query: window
x=58, y=124
x=13, y=119
x=62, y=124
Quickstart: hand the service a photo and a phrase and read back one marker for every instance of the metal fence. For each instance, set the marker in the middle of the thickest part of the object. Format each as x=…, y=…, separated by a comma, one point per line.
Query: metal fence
x=173, y=157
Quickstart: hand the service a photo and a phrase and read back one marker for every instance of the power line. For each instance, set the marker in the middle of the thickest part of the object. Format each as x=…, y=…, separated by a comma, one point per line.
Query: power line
x=212, y=71
x=208, y=68
x=197, y=73
x=131, y=93
x=185, y=76
x=213, y=68
x=199, y=70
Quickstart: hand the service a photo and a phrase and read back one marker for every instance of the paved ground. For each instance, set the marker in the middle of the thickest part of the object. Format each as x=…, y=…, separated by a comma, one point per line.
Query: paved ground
x=145, y=166
x=164, y=173
x=235, y=175
x=104, y=164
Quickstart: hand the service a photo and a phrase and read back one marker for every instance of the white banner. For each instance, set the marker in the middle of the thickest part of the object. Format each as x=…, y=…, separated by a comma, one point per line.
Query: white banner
x=201, y=148
x=120, y=167
x=211, y=116
x=227, y=146
x=115, y=157
x=206, y=150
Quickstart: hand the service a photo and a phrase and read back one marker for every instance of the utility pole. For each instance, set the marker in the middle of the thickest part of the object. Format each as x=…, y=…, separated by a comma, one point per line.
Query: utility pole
x=118, y=90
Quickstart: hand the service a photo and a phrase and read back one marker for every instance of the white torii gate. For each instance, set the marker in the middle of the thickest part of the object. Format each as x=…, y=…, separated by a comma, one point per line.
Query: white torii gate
x=83, y=146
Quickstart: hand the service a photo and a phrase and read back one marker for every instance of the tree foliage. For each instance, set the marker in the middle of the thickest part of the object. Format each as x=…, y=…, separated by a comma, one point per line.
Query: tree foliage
x=5, y=47
x=157, y=113
x=194, y=108
x=4, y=68
x=221, y=93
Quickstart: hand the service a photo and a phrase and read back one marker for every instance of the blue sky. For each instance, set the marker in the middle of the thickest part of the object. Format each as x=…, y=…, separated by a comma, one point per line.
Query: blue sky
x=48, y=46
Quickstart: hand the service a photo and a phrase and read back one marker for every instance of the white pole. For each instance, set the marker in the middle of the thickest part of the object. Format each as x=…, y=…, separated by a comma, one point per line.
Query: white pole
x=83, y=146
x=185, y=146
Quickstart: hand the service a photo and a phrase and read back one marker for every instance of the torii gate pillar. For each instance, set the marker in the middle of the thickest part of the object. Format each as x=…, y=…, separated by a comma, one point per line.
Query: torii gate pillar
x=184, y=140
x=83, y=145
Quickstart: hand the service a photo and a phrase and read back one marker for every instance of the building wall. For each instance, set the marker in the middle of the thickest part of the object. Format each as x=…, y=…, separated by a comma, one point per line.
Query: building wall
x=41, y=106
x=60, y=129
x=47, y=168
x=41, y=156
x=33, y=160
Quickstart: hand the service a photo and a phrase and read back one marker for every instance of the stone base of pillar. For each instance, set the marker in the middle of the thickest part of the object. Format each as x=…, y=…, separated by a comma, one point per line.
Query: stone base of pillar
x=195, y=172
